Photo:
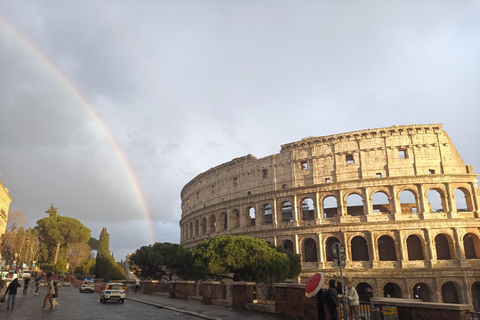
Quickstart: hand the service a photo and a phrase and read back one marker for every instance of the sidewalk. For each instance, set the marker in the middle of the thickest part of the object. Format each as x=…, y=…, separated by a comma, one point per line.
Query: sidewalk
x=198, y=308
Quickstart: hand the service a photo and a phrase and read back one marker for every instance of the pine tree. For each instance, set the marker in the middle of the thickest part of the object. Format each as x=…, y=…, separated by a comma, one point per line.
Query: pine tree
x=103, y=267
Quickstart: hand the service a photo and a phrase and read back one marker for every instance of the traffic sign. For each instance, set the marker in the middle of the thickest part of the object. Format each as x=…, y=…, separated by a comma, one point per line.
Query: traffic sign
x=338, y=250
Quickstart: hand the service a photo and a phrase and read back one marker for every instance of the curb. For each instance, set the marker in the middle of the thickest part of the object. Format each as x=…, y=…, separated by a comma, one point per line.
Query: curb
x=192, y=313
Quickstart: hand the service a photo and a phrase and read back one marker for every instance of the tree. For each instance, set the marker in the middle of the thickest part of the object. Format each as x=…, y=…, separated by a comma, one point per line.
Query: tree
x=241, y=259
x=77, y=252
x=56, y=231
x=105, y=266
x=160, y=260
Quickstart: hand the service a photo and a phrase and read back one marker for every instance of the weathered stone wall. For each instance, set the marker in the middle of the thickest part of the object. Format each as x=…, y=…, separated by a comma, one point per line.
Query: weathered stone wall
x=392, y=246
x=5, y=201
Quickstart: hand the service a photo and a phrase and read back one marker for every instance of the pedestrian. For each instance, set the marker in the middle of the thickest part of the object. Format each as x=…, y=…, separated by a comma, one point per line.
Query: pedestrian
x=26, y=281
x=2, y=283
x=320, y=304
x=12, y=292
x=49, y=296
x=55, y=294
x=331, y=299
x=37, y=286
x=137, y=285
x=353, y=301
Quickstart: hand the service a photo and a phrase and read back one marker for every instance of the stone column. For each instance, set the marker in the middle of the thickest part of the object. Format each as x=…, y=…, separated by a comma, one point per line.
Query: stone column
x=274, y=213
x=296, y=248
x=424, y=207
x=400, y=246
x=373, y=247
x=321, y=260
x=459, y=250
x=394, y=202
x=474, y=199
x=341, y=205
x=367, y=203
x=318, y=209
x=429, y=246
x=295, y=211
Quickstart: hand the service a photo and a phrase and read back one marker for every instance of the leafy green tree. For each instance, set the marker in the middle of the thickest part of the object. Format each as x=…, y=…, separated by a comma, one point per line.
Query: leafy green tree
x=87, y=266
x=56, y=231
x=160, y=260
x=241, y=258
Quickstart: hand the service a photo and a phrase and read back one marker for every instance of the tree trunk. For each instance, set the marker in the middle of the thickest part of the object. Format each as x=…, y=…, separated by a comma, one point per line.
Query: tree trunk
x=56, y=253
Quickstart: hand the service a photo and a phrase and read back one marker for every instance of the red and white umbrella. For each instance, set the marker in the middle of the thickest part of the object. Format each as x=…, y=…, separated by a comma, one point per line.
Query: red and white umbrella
x=314, y=284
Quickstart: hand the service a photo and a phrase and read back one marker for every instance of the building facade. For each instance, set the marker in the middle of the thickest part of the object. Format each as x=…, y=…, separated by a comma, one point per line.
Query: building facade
x=5, y=201
x=400, y=199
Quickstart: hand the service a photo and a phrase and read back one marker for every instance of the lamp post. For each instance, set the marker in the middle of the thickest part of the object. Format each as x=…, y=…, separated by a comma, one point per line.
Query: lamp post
x=417, y=295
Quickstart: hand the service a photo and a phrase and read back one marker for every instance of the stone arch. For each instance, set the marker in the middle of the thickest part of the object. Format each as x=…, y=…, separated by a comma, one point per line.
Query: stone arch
x=444, y=247
x=212, y=223
x=423, y=292
x=267, y=214
x=203, y=226
x=235, y=218
x=364, y=291
x=471, y=245
x=224, y=220
x=463, y=199
x=381, y=203
x=359, y=248
x=251, y=216
x=288, y=245
x=451, y=292
x=191, y=229
x=197, y=227
x=308, y=209
x=354, y=204
x=330, y=207
x=408, y=201
x=309, y=250
x=436, y=200
x=476, y=295
x=415, y=248
x=386, y=249
x=328, y=247
x=392, y=290
x=287, y=213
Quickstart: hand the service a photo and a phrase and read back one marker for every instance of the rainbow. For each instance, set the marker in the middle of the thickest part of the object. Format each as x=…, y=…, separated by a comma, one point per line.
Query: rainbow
x=67, y=83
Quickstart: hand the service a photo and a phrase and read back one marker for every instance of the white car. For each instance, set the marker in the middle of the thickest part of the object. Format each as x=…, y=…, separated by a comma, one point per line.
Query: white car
x=87, y=285
x=113, y=292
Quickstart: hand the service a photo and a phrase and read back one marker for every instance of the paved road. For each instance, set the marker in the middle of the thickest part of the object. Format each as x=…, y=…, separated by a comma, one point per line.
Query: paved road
x=76, y=305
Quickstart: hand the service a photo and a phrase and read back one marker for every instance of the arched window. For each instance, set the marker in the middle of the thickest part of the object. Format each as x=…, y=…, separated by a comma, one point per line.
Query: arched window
x=414, y=248
x=197, y=223
x=328, y=247
x=224, y=217
x=435, y=200
x=380, y=203
x=310, y=250
x=355, y=205
x=422, y=291
x=443, y=248
x=386, y=249
x=392, y=290
x=308, y=209
x=213, y=223
x=267, y=214
x=471, y=243
x=287, y=215
x=359, y=249
x=408, y=202
x=203, y=225
x=236, y=218
x=251, y=216
x=365, y=291
x=463, y=201
x=450, y=292
x=330, y=207
x=288, y=245
x=191, y=229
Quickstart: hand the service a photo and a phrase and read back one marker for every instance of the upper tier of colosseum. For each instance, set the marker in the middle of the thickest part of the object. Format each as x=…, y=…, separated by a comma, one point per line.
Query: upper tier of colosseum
x=383, y=153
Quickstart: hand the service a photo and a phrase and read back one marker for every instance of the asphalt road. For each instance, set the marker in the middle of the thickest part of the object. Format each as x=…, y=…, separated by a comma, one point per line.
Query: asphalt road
x=76, y=305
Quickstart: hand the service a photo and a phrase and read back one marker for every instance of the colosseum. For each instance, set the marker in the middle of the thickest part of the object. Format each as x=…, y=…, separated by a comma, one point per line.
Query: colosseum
x=400, y=199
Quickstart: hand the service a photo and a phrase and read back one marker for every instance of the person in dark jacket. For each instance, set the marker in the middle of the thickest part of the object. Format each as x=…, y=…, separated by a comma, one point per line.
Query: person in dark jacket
x=320, y=304
x=331, y=299
x=26, y=281
x=12, y=292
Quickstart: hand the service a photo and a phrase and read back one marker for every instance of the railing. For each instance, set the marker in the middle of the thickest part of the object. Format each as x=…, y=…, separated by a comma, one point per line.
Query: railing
x=474, y=315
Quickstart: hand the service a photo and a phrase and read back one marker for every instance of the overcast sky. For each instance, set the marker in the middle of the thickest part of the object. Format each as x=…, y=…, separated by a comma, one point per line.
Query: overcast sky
x=98, y=95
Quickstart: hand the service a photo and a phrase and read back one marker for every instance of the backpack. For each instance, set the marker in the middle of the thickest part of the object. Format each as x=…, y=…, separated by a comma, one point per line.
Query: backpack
x=55, y=295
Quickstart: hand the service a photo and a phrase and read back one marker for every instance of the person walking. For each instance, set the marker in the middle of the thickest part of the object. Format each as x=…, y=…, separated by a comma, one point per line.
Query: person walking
x=331, y=299
x=26, y=281
x=353, y=301
x=137, y=285
x=12, y=292
x=320, y=304
x=37, y=285
x=49, y=296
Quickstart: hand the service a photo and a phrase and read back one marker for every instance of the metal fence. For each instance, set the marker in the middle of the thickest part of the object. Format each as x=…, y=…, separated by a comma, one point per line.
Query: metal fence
x=474, y=315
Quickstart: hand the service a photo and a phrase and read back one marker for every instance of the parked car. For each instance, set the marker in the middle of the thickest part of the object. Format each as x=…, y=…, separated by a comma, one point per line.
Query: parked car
x=114, y=291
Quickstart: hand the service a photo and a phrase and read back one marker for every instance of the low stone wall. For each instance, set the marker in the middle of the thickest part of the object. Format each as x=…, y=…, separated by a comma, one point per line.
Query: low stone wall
x=290, y=299
x=416, y=309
